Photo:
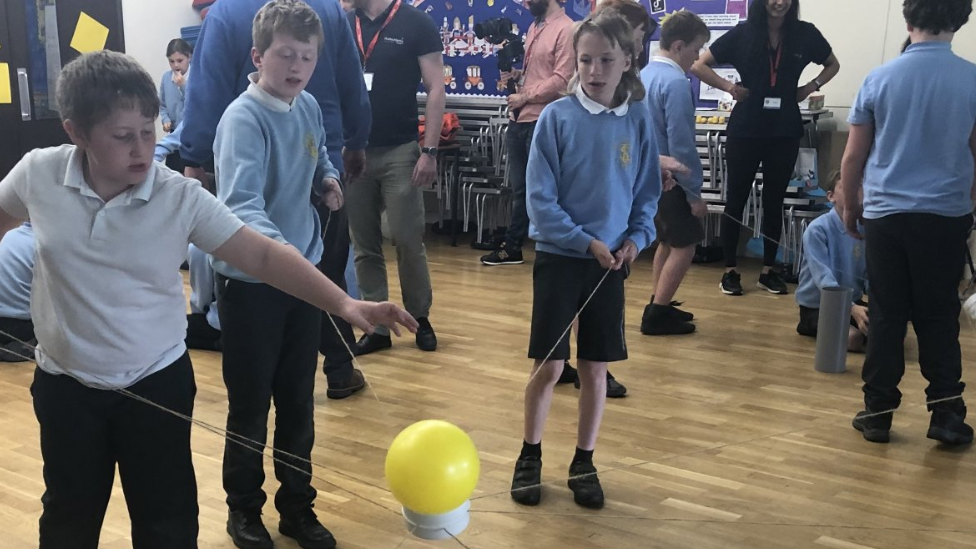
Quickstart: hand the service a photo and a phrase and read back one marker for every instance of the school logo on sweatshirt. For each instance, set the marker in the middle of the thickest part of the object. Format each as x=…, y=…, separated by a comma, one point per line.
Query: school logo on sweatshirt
x=313, y=151
x=625, y=154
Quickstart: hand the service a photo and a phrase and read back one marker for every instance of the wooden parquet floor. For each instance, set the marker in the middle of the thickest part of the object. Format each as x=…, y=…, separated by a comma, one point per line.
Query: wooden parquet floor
x=728, y=437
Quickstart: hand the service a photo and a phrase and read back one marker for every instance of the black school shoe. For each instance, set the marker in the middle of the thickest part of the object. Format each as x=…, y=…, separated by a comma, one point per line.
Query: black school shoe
x=527, y=481
x=684, y=316
x=370, y=343
x=874, y=427
x=247, y=531
x=773, y=283
x=426, y=339
x=585, y=485
x=948, y=424
x=664, y=320
x=305, y=528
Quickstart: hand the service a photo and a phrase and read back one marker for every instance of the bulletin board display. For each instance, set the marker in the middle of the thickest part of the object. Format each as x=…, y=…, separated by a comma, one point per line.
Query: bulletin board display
x=470, y=63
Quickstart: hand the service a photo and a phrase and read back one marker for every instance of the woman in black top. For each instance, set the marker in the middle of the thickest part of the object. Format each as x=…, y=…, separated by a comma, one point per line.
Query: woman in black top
x=770, y=52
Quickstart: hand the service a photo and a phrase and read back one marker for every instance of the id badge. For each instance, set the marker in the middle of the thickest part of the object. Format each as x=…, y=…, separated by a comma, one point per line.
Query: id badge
x=773, y=103
x=368, y=78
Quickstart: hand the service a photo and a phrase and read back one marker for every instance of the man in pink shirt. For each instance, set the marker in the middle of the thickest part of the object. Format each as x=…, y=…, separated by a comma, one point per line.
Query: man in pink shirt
x=547, y=69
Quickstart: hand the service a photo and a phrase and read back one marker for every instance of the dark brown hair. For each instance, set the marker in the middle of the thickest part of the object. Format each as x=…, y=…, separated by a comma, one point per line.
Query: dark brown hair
x=94, y=85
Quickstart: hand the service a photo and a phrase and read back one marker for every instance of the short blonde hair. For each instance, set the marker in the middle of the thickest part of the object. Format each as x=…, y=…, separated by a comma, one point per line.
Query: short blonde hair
x=615, y=28
x=294, y=18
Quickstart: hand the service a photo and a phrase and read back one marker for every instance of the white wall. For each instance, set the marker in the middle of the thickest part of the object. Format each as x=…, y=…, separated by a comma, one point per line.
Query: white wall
x=150, y=25
x=864, y=34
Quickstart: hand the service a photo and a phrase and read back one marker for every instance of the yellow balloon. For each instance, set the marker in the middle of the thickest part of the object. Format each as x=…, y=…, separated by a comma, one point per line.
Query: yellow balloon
x=432, y=467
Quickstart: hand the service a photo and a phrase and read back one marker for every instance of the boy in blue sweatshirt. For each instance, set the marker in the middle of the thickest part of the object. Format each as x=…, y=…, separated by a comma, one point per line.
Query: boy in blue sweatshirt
x=679, y=227
x=832, y=258
x=270, y=156
x=221, y=65
x=593, y=184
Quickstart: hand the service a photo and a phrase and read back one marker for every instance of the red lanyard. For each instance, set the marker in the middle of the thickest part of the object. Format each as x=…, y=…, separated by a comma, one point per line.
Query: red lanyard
x=359, y=33
x=774, y=65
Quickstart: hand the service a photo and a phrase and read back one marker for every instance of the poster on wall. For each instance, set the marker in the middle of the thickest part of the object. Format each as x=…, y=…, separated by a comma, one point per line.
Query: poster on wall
x=471, y=62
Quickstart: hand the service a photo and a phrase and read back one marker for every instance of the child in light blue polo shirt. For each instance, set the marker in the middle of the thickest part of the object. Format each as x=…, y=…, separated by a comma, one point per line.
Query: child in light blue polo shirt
x=832, y=258
x=16, y=271
x=911, y=145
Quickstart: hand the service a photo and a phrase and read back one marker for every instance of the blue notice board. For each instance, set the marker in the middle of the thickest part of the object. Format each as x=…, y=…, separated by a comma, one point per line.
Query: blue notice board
x=471, y=64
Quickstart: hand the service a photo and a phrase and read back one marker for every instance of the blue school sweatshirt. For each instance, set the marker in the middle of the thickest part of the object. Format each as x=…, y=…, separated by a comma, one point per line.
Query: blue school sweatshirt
x=831, y=258
x=672, y=107
x=593, y=173
x=269, y=158
x=171, y=99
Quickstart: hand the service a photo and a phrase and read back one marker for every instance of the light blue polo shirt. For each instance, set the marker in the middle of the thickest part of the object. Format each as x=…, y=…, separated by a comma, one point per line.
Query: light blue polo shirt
x=923, y=107
x=16, y=272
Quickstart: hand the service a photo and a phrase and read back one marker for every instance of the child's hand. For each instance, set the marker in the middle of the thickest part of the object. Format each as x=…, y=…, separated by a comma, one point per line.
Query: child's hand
x=179, y=78
x=626, y=255
x=860, y=315
x=167, y=127
x=699, y=208
x=673, y=165
x=332, y=197
x=366, y=315
x=602, y=254
x=852, y=214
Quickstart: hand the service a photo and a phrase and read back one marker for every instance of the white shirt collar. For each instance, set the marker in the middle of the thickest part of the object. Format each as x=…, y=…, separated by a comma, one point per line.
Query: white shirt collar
x=74, y=178
x=667, y=61
x=595, y=108
x=265, y=98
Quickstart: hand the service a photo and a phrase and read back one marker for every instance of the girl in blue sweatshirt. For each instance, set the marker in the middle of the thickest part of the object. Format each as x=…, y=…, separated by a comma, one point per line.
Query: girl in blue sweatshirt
x=172, y=88
x=593, y=184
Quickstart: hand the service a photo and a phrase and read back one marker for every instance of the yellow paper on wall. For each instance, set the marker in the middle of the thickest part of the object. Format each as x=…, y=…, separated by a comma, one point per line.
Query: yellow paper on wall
x=90, y=35
x=5, y=97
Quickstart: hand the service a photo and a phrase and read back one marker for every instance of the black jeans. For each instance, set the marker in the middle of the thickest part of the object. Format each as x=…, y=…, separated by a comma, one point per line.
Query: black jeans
x=915, y=263
x=335, y=238
x=85, y=432
x=270, y=352
x=743, y=156
x=518, y=143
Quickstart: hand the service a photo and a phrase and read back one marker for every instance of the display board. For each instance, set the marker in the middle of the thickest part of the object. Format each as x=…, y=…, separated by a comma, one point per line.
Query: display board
x=471, y=63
